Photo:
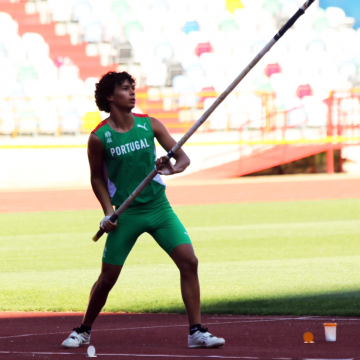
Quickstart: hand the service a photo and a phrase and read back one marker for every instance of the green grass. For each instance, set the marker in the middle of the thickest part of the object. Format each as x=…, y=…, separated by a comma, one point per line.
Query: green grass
x=262, y=258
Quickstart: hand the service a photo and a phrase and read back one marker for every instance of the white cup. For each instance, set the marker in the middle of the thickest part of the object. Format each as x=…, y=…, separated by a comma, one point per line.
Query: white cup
x=330, y=331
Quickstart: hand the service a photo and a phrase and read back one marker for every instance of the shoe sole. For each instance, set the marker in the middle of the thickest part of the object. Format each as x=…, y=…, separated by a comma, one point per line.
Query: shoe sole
x=75, y=347
x=205, y=347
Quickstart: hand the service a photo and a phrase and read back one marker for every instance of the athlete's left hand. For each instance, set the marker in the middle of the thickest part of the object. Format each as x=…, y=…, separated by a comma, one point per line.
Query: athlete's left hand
x=164, y=169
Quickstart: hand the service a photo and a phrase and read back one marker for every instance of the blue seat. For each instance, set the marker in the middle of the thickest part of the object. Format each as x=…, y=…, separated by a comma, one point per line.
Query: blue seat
x=191, y=26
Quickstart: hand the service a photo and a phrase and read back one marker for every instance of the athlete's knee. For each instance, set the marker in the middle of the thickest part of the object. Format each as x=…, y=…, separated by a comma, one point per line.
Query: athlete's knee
x=189, y=265
x=106, y=281
x=108, y=278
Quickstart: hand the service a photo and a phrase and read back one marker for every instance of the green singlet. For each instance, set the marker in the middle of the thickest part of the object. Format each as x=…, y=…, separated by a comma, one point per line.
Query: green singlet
x=129, y=158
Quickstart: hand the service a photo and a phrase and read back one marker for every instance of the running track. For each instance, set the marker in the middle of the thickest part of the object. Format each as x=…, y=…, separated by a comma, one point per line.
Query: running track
x=285, y=188
x=163, y=336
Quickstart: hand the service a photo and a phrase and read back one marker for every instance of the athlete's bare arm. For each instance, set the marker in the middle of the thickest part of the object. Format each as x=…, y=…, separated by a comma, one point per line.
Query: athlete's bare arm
x=167, y=142
x=96, y=161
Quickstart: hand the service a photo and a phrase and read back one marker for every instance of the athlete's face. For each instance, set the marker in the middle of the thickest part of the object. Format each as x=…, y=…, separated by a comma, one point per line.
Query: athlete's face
x=123, y=96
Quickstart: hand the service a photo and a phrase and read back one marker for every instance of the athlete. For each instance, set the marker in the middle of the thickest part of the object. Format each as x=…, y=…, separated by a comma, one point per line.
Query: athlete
x=121, y=152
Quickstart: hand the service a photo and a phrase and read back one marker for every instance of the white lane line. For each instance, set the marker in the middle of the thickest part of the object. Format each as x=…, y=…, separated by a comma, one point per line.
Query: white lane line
x=161, y=355
x=138, y=328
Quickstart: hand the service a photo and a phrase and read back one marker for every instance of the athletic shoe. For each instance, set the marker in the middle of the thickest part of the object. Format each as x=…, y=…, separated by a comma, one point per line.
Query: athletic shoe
x=76, y=339
x=203, y=339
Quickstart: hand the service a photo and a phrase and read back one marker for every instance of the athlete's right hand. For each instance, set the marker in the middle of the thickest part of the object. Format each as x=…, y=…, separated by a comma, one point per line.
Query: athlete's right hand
x=107, y=225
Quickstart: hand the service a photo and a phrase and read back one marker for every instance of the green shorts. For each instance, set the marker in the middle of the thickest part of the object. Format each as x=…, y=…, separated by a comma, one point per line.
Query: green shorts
x=156, y=218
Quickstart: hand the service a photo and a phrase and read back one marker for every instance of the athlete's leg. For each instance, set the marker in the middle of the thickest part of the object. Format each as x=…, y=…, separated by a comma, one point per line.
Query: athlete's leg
x=100, y=291
x=185, y=259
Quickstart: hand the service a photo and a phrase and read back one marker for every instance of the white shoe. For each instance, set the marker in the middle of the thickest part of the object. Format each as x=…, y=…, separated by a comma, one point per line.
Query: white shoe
x=75, y=340
x=203, y=339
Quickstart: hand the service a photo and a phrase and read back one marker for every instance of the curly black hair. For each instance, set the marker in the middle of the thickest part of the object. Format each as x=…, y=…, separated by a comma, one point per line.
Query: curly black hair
x=106, y=86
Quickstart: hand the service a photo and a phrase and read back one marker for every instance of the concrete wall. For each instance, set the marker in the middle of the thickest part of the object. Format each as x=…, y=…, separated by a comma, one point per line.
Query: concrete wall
x=27, y=168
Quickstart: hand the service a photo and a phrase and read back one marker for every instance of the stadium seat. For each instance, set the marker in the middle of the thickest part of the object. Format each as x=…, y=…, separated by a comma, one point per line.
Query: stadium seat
x=8, y=73
x=35, y=46
x=121, y=8
x=218, y=120
x=164, y=51
x=68, y=72
x=191, y=26
x=90, y=85
x=15, y=49
x=228, y=25
x=60, y=10
x=232, y=5
x=81, y=9
x=289, y=8
x=26, y=71
x=263, y=84
x=93, y=32
x=132, y=27
x=237, y=117
x=335, y=16
x=27, y=121
x=317, y=111
x=184, y=87
x=48, y=121
x=348, y=69
x=252, y=107
x=7, y=119
x=202, y=48
x=316, y=46
x=303, y=90
x=90, y=120
x=8, y=27
x=159, y=6
x=272, y=69
x=272, y=6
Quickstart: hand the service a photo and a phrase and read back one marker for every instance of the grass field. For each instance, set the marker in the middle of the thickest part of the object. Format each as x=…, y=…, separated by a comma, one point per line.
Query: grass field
x=260, y=258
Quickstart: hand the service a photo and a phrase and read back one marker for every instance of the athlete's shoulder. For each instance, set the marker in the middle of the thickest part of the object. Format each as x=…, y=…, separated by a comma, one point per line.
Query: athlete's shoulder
x=102, y=124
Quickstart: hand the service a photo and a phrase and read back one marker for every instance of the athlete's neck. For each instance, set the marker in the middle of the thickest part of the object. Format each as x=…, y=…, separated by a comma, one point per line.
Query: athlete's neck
x=121, y=121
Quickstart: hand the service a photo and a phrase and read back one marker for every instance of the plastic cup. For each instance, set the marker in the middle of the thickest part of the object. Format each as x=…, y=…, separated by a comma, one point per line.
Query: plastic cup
x=330, y=331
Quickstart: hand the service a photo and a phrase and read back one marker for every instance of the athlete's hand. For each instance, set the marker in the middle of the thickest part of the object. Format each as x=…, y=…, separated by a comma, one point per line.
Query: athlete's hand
x=164, y=169
x=107, y=225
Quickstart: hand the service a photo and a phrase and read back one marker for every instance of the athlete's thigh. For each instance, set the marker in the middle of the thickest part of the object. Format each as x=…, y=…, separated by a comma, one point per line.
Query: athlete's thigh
x=120, y=241
x=168, y=231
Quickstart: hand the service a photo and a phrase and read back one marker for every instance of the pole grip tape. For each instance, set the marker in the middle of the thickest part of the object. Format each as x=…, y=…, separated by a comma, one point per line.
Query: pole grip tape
x=170, y=154
x=289, y=24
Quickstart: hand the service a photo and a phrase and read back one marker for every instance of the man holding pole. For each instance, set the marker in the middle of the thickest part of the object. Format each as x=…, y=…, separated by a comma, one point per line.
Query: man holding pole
x=121, y=152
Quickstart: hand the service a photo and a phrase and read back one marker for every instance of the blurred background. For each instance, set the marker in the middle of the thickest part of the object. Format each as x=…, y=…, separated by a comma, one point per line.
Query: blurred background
x=297, y=111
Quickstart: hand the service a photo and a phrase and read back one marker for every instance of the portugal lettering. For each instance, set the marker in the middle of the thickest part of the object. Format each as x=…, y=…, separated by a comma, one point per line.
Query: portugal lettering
x=129, y=147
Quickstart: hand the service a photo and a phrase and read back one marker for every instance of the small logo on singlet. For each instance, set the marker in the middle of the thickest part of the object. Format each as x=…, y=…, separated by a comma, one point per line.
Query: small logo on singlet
x=108, y=137
x=143, y=126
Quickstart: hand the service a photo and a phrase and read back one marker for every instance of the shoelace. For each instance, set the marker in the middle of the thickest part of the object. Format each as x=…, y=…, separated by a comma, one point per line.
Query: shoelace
x=80, y=333
x=205, y=330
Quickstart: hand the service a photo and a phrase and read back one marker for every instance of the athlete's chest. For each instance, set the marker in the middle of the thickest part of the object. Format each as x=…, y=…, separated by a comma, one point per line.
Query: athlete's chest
x=136, y=143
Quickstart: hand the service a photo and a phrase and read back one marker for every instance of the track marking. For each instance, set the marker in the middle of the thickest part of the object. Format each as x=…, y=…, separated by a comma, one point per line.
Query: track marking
x=154, y=327
x=164, y=355
x=306, y=318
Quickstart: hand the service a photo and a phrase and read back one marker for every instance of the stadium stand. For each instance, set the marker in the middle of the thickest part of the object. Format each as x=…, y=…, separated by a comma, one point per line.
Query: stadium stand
x=52, y=52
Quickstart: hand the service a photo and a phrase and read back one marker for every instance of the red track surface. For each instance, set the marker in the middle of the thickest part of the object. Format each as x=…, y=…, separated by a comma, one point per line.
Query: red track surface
x=192, y=194
x=164, y=336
